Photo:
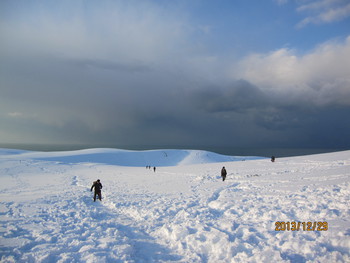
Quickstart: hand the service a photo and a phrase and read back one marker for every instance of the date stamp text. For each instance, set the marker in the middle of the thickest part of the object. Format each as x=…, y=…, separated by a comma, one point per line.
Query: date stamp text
x=301, y=226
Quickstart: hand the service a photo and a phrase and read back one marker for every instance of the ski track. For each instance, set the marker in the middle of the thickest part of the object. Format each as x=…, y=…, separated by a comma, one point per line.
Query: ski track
x=177, y=214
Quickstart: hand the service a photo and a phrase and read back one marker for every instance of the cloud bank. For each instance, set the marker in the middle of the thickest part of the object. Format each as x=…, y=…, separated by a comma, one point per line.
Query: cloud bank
x=319, y=78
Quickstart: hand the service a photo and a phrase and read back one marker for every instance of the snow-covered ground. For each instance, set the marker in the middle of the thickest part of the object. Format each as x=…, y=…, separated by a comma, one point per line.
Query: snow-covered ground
x=182, y=212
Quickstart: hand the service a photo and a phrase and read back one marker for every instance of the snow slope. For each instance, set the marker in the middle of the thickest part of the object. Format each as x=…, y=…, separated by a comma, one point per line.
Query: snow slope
x=130, y=158
x=182, y=213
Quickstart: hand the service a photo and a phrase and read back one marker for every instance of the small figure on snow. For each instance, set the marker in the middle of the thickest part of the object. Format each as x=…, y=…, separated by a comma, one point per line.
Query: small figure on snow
x=273, y=159
x=98, y=186
x=154, y=169
x=223, y=173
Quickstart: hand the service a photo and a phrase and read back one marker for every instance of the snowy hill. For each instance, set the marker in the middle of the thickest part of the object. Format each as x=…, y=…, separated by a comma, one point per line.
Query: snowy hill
x=129, y=158
x=180, y=213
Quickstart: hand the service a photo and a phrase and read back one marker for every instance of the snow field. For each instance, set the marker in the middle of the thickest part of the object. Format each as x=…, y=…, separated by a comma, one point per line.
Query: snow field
x=176, y=214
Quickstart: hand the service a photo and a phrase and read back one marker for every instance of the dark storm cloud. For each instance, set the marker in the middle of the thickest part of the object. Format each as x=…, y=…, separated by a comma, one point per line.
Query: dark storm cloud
x=239, y=96
x=104, y=103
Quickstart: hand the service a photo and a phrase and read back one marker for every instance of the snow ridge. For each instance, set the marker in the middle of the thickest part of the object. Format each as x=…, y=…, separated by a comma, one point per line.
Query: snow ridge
x=166, y=157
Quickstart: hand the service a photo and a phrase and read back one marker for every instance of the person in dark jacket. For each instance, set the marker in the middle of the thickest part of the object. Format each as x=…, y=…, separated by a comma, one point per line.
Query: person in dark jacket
x=98, y=187
x=223, y=173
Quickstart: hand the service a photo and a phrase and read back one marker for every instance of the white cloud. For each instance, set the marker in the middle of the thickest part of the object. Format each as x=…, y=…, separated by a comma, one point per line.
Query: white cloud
x=318, y=4
x=321, y=77
x=325, y=11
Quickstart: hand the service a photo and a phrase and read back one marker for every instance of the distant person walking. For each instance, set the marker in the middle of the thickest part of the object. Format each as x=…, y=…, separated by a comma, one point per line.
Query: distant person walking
x=273, y=158
x=223, y=173
x=98, y=187
x=154, y=169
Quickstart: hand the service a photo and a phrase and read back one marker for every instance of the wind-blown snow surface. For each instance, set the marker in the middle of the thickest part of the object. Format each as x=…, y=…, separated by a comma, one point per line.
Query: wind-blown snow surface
x=183, y=213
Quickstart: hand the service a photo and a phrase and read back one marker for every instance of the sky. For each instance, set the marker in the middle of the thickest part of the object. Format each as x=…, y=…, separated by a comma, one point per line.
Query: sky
x=182, y=73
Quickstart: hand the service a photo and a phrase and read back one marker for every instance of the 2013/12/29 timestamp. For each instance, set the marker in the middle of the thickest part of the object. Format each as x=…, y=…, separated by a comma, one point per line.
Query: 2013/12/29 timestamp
x=301, y=226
